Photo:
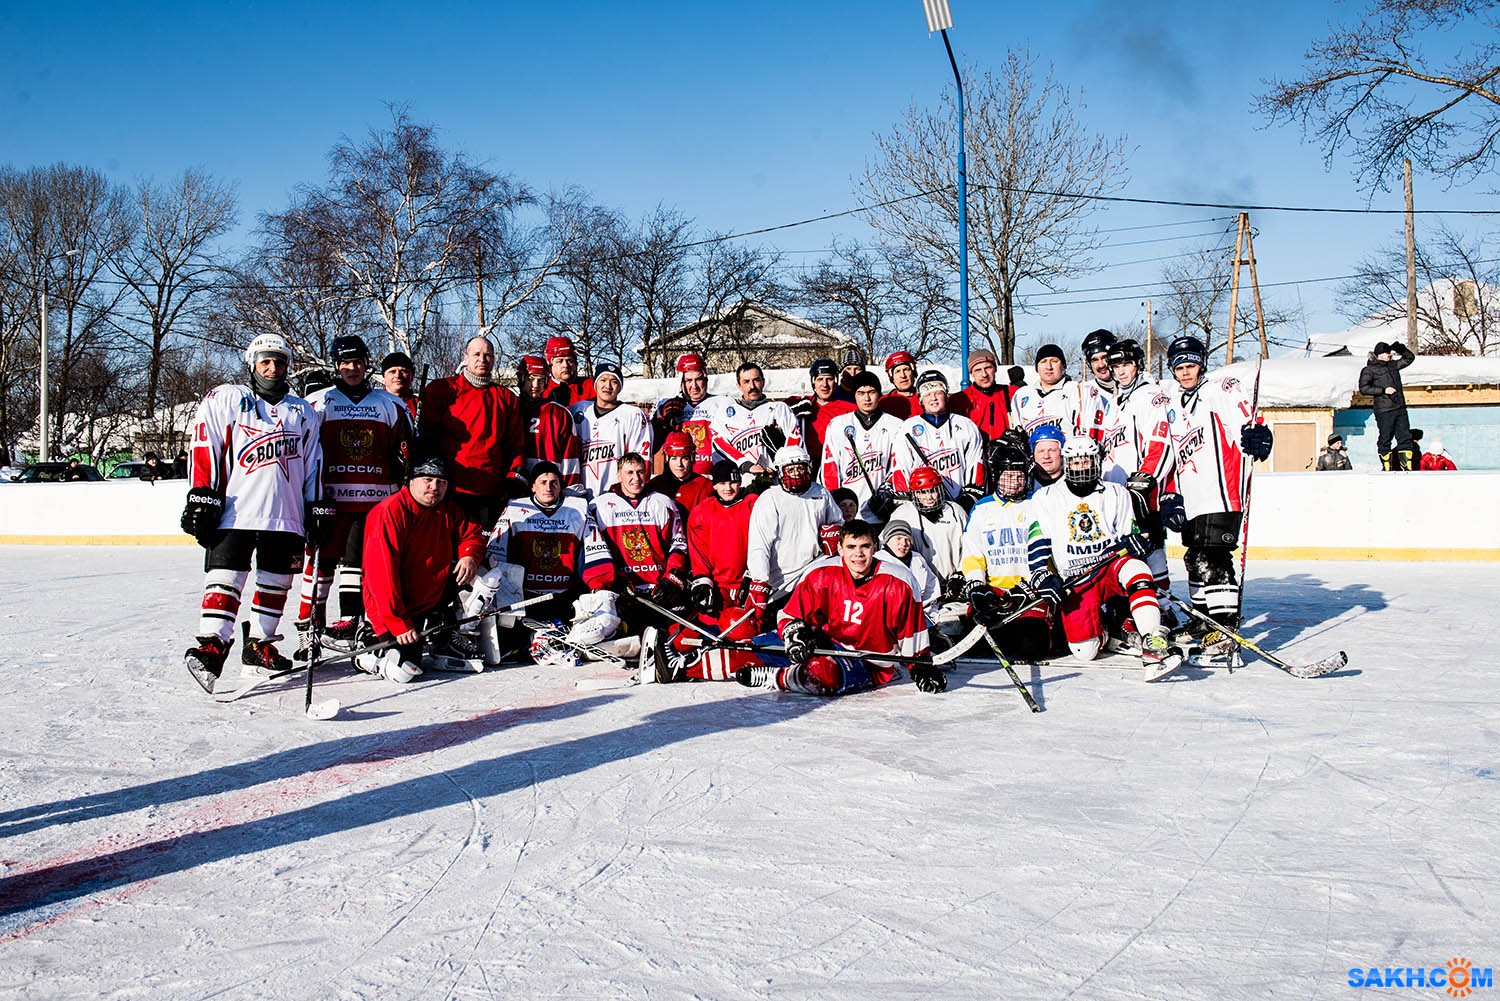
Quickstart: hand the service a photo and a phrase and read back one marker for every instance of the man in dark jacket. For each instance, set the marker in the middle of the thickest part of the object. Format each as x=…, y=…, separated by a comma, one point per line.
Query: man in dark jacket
x=1380, y=380
x=1335, y=456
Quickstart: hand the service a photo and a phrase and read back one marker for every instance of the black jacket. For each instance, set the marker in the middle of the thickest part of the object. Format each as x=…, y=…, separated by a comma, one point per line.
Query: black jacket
x=1377, y=375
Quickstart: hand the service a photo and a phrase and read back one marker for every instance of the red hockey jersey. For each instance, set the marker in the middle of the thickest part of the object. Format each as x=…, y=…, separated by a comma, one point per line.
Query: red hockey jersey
x=879, y=613
x=814, y=432
x=900, y=405
x=477, y=429
x=409, y=553
x=990, y=410
x=717, y=535
x=633, y=543
x=550, y=437
x=566, y=394
x=365, y=443
x=687, y=493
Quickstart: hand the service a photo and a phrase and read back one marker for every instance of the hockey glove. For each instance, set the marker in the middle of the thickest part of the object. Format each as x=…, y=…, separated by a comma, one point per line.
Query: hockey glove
x=799, y=640
x=200, y=517
x=828, y=538
x=774, y=436
x=955, y=588
x=928, y=678
x=1255, y=439
x=989, y=607
x=969, y=496
x=670, y=413
x=1136, y=545
x=1173, y=514
x=1050, y=587
x=759, y=593
x=883, y=502
x=704, y=594
x=320, y=515
x=805, y=409
x=1140, y=483
x=669, y=591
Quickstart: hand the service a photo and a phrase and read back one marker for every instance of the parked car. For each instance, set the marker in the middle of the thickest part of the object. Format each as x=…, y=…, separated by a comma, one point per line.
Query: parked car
x=126, y=470
x=58, y=472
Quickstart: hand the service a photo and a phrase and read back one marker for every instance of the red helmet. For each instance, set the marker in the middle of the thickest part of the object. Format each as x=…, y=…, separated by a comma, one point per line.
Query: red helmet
x=923, y=478
x=900, y=358
x=679, y=443
x=559, y=347
x=531, y=365
x=691, y=363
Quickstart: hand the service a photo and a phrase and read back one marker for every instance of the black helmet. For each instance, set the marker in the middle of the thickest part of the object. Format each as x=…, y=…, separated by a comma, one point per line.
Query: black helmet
x=1003, y=457
x=1095, y=342
x=1187, y=349
x=348, y=347
x=1126, y=351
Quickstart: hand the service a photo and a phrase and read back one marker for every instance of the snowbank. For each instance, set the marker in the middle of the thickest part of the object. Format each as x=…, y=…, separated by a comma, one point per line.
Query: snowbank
x=1332, y=382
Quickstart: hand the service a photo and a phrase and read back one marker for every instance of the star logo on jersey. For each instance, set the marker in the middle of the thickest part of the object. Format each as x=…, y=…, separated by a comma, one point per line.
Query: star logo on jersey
x=274, y=446
x=356, y=442
x=1083, y=525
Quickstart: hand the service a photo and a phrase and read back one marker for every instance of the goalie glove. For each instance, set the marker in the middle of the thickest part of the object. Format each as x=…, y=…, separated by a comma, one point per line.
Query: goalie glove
x=928, y=677
x=200, y=516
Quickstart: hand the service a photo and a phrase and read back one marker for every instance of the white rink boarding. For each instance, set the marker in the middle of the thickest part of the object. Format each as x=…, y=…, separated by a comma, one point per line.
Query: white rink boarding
x=1295, y=516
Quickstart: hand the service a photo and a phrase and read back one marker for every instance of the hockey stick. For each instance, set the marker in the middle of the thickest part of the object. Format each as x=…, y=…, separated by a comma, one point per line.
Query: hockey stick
x=1314, y=670
x=329, y=708
x=858, y=459
x=257, y=682
x=1010, y=670
x=1239, y=610
x=912, y=440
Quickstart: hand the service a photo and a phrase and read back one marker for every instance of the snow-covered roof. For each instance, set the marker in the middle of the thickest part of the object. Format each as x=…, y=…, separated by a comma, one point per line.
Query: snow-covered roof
x=755, y=307
x=1332, y=382
x=1389, y=325
x=780, y=384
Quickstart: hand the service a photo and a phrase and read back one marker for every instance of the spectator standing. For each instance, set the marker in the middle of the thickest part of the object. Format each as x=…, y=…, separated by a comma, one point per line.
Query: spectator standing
x=1380, y=380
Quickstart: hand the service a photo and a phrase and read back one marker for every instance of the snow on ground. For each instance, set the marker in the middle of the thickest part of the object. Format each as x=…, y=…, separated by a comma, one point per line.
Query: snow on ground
x=512, y=835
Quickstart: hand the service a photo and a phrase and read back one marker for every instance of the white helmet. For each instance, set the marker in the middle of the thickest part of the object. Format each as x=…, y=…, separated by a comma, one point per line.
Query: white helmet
x=790, y=455
x=787, y=457
x=267, y=344
x=1081, y=463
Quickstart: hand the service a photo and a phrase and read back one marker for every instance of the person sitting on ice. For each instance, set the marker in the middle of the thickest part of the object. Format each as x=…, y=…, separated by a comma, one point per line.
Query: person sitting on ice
x=897, y=544
x=854, y=601
x=1089, y=535
x=420, y=547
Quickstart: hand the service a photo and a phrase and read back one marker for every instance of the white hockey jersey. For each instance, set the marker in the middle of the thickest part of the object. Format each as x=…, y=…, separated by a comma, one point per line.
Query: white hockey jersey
x=940, y=539
x=549, y=546
x=1080, y=531
x=955, y=448
x=738, y=426
x=1075, y=407
x=605, y=437
x=1206, y=425
x=877, y=446
x=1141, y=440
x=264, y=457
x=927, y=587
x=1002, y=543
x=784, y=537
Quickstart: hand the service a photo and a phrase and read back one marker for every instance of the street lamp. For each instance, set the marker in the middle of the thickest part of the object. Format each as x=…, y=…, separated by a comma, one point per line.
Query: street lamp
x=46, y=449
x=940, y=19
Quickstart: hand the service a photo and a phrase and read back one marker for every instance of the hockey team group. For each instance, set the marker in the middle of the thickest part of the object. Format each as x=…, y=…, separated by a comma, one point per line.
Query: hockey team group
x=812, y=545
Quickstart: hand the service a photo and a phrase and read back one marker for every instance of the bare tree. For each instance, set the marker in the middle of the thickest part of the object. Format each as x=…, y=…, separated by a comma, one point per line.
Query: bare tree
x=171, y=264
x=1033, y=171
x=587, y=298
x=655, y=263
x=1377, y=87
x=852, y=291
x=1197, y=297
x=727, y=280
x=1458, y=294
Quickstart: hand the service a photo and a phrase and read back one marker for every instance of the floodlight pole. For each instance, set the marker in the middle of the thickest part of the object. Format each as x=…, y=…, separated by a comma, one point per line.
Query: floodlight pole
x=963, y=226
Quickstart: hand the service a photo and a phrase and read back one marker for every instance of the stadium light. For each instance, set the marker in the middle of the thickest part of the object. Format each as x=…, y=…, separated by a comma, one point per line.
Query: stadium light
x=940, y=19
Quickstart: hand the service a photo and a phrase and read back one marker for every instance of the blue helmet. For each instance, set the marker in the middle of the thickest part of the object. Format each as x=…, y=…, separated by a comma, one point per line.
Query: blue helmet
x=1048, y=432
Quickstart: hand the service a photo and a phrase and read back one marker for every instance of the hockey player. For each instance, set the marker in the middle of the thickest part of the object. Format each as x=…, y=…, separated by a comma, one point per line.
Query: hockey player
x=636, y=541
x=365, y=439
x=566, y=389
x=256, y=469
x=1046, y=455
x=1074, y=407
x=608, y=430
x=678, y=480
x=901, y=401
x=937, y=523
x=419, y=548
x=692, y=412
x=1085, y=523
x=475, y=426
x=853, y=601
x=1096, y=345
x=750, y=428
x=1141, y=447
x=550, y=432
x=1214, y=429
x=788, y=529
x=397, y=372
x=816, y=411
x=948, y=443
x=860, y=449
x=1001, y=543
x=984, y=401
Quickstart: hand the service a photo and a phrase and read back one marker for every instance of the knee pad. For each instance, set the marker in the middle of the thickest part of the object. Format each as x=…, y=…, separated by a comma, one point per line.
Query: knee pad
x=1086, y=649
x=1198, y=564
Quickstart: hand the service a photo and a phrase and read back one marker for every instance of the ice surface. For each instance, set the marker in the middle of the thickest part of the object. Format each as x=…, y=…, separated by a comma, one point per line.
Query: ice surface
x=508, y=835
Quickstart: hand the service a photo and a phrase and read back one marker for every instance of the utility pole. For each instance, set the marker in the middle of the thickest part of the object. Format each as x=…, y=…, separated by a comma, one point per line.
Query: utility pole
x=940, y=19
x=1244, y=253
x=1411, y=259
x=1150, y=337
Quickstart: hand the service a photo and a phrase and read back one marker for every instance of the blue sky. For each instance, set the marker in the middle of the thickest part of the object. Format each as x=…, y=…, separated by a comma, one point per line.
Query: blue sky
x=739, y=115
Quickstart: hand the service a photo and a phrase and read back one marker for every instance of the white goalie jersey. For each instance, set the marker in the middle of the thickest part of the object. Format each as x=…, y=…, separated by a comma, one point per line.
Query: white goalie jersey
x=1081, y=531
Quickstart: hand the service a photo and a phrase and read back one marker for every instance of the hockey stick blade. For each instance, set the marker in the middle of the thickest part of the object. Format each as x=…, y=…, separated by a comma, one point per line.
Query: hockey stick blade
x=1316, y=669
x=323, y=709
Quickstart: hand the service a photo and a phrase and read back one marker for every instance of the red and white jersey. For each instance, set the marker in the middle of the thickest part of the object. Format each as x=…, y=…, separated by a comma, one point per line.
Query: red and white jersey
x=1076, y=407
x=365, y=445
x=718, y=539
x=738, y=426
x=633, y=543
x=879, y=614
x=1141, y=441
x=1206, y=425
x=785, y=536
x=1081, y=531
x=548, y=544
x=264, y=457
x=550, y=437
x=813, y=431
x=877, y=445
x=955, y=448
x=697, y=424
x=605, y=437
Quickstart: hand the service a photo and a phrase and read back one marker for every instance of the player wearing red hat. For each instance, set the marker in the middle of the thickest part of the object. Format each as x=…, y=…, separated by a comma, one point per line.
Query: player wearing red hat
x=691, y=412
x=678, y=480
x=901, y=401
x=566, y=387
